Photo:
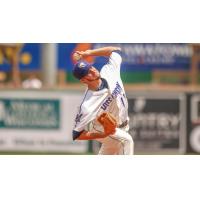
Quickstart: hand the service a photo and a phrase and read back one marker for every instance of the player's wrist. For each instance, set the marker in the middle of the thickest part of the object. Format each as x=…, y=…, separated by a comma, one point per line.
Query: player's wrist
x=99, y=134
x=87, y=53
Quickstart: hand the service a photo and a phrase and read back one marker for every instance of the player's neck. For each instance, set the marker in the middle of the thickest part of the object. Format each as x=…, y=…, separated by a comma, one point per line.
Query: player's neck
x=94, y=85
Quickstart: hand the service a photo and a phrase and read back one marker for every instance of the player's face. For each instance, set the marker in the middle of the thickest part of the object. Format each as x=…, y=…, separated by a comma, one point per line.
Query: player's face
x=92, y=75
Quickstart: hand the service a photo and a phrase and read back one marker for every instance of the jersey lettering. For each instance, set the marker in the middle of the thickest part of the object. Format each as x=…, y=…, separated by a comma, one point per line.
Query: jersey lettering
x=116, y=91
x=114, y=95
x=106, y=103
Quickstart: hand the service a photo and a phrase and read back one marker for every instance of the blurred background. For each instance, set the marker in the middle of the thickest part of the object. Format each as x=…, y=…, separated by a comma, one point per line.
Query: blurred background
x=39, y=97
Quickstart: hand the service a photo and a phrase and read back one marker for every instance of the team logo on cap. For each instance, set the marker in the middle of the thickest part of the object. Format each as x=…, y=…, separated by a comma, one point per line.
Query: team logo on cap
x=81, y=65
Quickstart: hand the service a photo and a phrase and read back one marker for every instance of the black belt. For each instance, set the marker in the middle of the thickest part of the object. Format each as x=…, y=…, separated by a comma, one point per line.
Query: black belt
x=123, y=124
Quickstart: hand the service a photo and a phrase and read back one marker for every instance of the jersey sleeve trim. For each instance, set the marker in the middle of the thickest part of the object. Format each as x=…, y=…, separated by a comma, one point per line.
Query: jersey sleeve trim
x=117, y=51
x=76, y=134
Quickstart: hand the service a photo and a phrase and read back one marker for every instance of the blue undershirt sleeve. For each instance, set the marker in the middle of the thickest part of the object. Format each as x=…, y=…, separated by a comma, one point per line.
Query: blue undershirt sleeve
x=76, y=134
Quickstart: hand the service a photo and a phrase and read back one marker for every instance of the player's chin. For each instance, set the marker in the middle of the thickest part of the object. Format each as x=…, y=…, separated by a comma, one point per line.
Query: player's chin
x=98, y=77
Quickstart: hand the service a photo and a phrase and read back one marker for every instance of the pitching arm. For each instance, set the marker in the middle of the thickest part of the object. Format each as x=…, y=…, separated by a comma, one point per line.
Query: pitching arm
x=87, y=135
x=104, y=51
x=109, y=124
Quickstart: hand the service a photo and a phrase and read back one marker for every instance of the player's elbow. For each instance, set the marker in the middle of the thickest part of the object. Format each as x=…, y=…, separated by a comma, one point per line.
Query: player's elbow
x=115, y=49
x=119, y=49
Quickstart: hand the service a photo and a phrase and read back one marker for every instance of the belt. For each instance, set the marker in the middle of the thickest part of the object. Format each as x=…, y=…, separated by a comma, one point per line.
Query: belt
x=123, y=124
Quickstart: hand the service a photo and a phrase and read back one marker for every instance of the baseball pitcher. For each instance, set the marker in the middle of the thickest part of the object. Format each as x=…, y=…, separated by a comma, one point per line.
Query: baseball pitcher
x=103, y=112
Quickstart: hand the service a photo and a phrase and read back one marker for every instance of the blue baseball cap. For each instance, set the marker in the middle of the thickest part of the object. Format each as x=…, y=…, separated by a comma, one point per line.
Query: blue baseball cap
x=81, y=69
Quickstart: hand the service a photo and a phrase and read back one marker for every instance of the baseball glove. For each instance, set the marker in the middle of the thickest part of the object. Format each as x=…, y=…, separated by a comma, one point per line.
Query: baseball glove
x=108, y=122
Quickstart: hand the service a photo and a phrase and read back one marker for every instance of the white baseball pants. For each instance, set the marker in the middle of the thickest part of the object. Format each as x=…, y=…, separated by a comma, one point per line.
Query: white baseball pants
x=120, y=143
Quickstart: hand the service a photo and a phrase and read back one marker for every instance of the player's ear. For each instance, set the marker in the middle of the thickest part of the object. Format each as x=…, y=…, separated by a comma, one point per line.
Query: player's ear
x=92, y=71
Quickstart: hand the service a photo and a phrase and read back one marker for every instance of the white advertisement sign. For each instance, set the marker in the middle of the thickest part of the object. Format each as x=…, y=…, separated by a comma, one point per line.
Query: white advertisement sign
x=39, y=121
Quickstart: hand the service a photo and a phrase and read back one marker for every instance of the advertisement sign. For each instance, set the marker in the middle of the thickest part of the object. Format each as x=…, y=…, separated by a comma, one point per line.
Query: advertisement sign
x=157, y=122
x=193, y=137
x=150, y=56
x=39, y=121
x=30, y=113
x=136, y=57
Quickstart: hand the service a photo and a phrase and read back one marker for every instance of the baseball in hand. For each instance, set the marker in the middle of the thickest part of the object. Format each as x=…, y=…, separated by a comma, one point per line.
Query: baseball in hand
x=76, y=56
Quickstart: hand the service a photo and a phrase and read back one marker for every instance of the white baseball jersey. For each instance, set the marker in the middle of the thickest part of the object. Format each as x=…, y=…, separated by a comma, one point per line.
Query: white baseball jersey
x=110, y=98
